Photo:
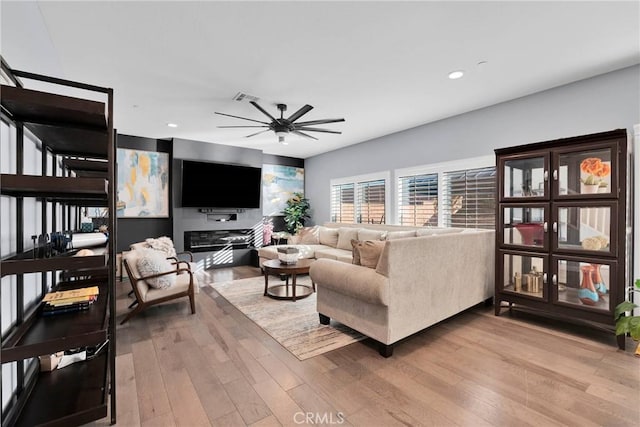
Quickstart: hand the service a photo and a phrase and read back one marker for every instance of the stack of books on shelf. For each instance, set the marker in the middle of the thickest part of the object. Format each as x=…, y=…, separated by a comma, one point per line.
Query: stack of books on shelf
x=69, y=301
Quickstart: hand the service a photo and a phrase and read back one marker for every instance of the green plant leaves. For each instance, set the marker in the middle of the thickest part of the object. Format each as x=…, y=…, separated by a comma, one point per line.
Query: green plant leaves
x=623, y=307
x=296, y=212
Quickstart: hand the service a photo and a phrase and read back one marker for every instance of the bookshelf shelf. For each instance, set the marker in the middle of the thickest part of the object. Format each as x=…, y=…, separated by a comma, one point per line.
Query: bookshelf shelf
x=74, y=395
x=48, y=335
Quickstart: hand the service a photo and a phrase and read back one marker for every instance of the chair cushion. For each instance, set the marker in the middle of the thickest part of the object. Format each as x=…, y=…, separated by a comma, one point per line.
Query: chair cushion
x=181, y=285
x=152, y=262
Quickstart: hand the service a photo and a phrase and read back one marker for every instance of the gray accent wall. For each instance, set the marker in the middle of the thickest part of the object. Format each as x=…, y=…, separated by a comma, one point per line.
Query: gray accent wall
x=601, y=103
x=189, y=219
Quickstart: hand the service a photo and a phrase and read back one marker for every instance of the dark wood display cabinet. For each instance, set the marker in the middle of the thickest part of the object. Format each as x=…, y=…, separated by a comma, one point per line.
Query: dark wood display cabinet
x=561, y=228
x=78, y=133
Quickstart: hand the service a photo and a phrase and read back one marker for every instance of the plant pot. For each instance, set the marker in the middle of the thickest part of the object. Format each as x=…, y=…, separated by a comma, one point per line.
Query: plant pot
x=589, y=188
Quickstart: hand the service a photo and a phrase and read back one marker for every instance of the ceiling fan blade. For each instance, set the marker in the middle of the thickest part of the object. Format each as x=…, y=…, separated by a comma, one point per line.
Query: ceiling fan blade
x=262, y=110
x=297, y=132
x=319, y=122
x=304, y=128
x=247, y=126
x=257, y=133
x=301, y=112
x=243, y=118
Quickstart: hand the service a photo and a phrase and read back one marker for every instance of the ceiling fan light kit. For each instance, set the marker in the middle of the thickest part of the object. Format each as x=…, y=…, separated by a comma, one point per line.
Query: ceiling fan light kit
x=283, y=126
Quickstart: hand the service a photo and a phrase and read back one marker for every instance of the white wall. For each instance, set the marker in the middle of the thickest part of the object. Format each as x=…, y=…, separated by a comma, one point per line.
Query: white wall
x=601, y=103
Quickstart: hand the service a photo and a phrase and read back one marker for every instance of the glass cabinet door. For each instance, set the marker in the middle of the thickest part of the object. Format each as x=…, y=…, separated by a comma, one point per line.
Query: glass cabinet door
x=583, y=283
x=524, y=274
x=586, y=172
x=524, y=225
x=525, y=177
x=585, y=228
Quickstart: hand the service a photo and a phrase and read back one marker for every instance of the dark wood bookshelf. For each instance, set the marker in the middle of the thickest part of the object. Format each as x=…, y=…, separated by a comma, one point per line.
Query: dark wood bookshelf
x=79, y=132
x=54, y=187
x=50, y=334
x=74, y=395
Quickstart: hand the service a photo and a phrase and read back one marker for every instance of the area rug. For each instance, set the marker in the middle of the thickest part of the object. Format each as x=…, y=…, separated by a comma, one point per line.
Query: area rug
x=294, y=325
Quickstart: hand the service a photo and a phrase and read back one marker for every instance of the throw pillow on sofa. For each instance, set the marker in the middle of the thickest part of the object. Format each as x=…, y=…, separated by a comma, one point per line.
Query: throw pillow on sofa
x=355, y=251
x=152, y=262
x=369, y=252
x=328, y=236
x=345, y=236
x=163, y=244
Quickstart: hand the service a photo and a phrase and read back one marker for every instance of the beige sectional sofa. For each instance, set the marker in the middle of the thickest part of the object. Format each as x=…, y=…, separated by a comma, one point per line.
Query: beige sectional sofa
x=416, y=283
x=333, y=240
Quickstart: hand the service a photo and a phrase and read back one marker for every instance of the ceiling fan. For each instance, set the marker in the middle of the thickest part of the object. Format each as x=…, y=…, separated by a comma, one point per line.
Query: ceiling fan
x=284, y=126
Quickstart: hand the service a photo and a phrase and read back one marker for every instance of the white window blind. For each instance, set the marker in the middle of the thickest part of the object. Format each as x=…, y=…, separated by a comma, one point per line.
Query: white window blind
x=469, y=198
x=343, y=203
x=371, y=202
x=418, y=200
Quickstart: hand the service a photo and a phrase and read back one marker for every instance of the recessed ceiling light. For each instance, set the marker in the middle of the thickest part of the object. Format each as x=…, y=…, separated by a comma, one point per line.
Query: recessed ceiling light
x=172, y=125
x=456, y=74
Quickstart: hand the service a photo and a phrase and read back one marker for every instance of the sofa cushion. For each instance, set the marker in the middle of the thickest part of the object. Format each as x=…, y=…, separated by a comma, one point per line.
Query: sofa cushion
x=308, y=236
x=334, y=253
x=328, y=236
x=345, y=235
x=352, y=280
x=391, y=235
x=365, y=234
x=369, y=252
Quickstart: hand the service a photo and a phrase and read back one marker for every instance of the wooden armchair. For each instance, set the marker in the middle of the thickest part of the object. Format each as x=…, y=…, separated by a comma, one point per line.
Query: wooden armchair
x=147, y=296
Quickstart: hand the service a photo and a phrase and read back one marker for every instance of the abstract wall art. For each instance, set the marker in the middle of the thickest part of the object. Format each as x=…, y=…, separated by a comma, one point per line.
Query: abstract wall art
x=143, y=184
x=278, y=185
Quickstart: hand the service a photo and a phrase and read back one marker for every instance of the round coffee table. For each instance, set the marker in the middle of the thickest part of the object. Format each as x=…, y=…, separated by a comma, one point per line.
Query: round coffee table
x=275, y=268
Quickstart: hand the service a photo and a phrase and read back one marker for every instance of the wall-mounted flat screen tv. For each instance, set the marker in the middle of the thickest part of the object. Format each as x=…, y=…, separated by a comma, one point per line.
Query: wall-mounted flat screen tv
x=220, y=185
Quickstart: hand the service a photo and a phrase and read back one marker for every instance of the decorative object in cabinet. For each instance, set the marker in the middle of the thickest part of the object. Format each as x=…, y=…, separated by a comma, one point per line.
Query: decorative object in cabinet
x=561, y=237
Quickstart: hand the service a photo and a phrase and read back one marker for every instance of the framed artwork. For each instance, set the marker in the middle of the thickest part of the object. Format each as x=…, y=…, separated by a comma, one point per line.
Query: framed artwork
x=143, y=184
x=278, y=185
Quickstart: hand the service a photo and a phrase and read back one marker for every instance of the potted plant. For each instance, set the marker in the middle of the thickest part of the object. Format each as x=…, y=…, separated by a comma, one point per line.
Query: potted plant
x=296, y=212
x=628, y=324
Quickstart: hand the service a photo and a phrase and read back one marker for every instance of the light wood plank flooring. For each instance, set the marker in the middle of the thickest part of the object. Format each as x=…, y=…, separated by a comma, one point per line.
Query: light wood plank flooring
x=218, y=368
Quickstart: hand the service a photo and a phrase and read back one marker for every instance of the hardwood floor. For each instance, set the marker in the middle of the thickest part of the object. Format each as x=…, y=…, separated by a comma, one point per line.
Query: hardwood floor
x=218, y=368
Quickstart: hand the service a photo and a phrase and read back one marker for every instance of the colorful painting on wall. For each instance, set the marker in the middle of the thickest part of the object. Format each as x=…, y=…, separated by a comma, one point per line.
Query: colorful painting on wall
x=278, y=185
x=143, y=184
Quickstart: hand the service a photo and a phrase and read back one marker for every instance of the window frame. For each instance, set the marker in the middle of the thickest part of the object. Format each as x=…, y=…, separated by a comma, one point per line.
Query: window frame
x=355, y=180
x=439, y=169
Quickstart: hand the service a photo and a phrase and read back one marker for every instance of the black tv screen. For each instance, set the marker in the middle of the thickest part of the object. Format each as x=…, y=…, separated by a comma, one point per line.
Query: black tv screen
x=220, y=185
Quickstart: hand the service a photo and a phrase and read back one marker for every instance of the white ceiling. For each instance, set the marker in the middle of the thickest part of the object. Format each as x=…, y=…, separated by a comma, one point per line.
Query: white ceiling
x=381, y=65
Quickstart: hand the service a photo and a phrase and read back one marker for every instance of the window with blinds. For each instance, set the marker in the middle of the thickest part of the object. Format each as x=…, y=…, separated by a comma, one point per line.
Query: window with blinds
x=343, y=203
x=371, y=202
x=469, y=198
x=418, y=200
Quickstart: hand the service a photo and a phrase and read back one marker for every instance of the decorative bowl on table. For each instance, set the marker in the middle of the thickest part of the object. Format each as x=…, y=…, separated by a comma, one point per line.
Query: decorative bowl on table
x=288, y=255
